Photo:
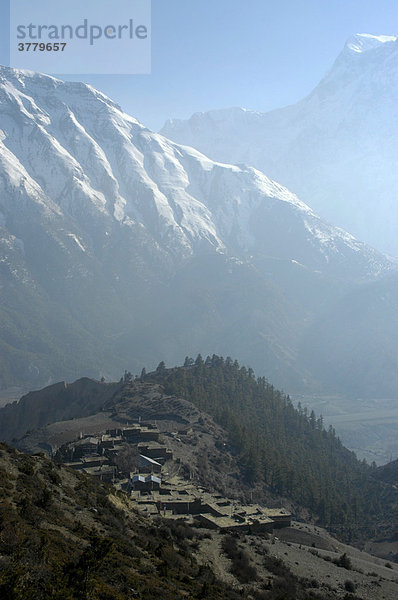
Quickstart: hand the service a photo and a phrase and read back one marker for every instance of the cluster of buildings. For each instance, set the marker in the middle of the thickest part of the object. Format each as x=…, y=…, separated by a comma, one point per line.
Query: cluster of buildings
x=178, y=498
x=97, y=455
x=146, y=473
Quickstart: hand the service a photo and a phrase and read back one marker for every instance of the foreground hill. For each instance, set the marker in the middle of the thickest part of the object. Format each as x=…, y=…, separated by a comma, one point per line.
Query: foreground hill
x=120, y=247
x=336, y=148
x=248, y=440
x=279, y=446
x=69, y=537
x=66, y=536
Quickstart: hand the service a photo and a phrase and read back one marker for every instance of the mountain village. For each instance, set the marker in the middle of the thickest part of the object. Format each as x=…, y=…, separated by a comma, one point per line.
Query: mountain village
x=151, y=476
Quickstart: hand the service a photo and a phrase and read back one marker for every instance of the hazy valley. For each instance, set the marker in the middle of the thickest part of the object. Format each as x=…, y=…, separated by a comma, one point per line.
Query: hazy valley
x=121, y=248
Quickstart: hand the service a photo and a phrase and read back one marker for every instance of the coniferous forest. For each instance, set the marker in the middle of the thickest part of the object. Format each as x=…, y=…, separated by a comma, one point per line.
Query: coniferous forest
x=279, y=445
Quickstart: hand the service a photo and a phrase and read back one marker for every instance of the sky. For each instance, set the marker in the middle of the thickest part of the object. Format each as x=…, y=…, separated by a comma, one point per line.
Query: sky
x=209, y=54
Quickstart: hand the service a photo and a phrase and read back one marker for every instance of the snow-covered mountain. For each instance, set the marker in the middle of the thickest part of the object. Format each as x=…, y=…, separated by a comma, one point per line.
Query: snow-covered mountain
x=68, y=152
x=120, y=248
x=337, y=148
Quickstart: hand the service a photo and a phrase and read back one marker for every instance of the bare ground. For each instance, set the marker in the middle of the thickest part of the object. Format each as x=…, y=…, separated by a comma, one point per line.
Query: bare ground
x=308, y=552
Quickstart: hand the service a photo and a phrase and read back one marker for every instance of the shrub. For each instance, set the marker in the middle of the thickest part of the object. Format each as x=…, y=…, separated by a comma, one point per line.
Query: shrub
x=26, y=465
x=241, y=567
x=349, y=586
x=343, y=561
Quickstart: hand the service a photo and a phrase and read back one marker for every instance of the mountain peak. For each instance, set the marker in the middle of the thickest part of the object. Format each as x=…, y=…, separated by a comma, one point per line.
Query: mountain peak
x=31, y=82
x=364, y=42
x=10, y=73
x=335, y=148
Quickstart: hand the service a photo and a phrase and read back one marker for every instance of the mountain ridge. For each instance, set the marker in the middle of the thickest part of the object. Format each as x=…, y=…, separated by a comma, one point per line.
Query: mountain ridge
x=335, y=148
x=108, y=228
x=246, y=439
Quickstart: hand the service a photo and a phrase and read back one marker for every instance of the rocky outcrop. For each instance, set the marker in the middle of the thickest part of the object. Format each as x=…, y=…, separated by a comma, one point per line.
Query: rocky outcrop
x=57, y=402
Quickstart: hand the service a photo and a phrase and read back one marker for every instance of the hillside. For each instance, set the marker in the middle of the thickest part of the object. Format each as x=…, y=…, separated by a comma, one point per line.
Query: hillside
x=68, y=536
x=278, y=446
x=205, y=455
x=247, y=441
x=57, y=402
x=120, y=247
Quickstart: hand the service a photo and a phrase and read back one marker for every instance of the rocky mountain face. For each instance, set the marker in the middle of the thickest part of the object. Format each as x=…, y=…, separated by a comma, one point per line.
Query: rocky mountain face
x=336, y=148
x=57, y=402
x=120, y=248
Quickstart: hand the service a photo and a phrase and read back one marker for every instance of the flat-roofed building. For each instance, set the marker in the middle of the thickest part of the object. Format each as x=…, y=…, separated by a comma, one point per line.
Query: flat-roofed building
x=137, y=434
x=88, y=445
x=262, y=524
x=94, y=461
x=147, y=465
x=280, y=516
x=145, y=484
x=103, y=473
x=156, y=451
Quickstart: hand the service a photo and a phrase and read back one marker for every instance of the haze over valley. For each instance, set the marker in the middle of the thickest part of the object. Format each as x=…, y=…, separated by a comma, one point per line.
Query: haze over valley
x=121, y=248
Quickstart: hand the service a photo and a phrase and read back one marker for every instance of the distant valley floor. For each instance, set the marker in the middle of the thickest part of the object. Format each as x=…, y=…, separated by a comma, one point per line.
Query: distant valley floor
x=367, y=426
